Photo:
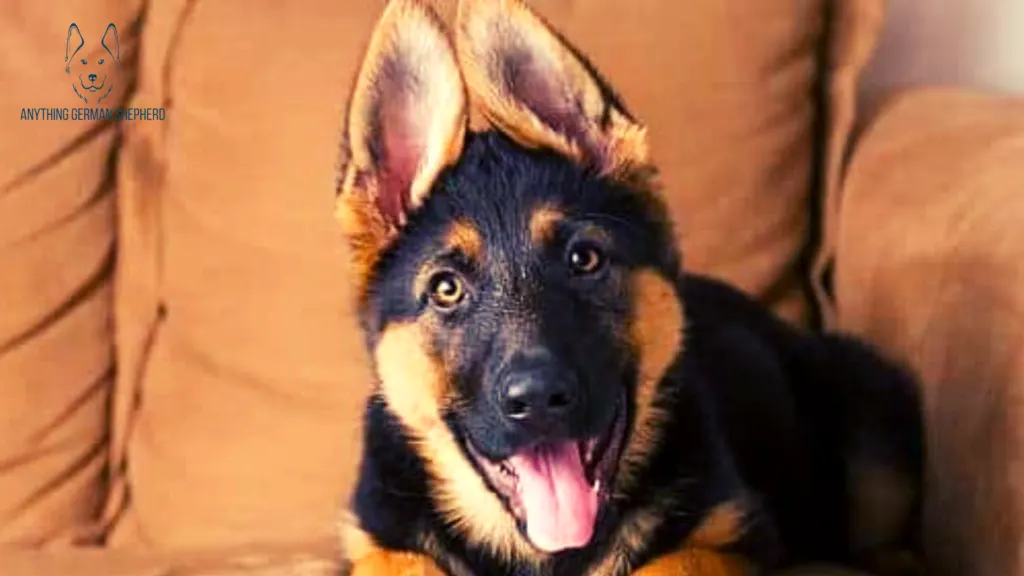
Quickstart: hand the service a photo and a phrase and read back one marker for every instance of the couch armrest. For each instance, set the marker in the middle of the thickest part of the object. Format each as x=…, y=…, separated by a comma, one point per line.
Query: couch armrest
x=930, y=266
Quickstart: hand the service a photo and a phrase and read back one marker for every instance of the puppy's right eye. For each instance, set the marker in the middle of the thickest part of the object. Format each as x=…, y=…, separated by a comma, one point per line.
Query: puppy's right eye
x=585, y=259
x=447, y=290
x=84, y=62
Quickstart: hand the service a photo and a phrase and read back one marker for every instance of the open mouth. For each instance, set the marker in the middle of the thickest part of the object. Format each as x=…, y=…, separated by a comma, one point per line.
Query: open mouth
x=555, y=491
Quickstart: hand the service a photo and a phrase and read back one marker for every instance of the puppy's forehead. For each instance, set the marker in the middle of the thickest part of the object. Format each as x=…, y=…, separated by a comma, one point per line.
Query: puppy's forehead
x=485, y=232
x=500, y=187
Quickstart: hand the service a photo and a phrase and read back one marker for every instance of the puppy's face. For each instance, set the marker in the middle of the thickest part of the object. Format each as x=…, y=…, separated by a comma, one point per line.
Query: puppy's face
x=518, y=288
x=93, y=67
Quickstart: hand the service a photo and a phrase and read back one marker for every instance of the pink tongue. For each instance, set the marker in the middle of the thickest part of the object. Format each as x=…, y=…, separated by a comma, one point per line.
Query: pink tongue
x=560, y=505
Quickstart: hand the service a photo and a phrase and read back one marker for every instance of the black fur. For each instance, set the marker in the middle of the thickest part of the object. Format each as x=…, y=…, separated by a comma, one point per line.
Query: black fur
x=759, y=411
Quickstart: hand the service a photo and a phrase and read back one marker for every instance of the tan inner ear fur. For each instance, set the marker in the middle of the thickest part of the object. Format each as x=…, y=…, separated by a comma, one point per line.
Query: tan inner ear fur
x=490, y=30
x=435, y=100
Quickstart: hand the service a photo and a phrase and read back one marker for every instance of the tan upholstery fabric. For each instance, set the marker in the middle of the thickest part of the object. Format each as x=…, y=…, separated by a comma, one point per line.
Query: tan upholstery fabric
x=318, y=558
x=235, y=331
x=241, y=371
x=930, y=265
x=856, y=29
x=56, y=257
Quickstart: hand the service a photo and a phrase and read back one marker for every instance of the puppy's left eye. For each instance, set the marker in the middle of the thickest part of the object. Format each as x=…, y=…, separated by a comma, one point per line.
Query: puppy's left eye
x=584, y=259
x=101, y=61
x=446, y=290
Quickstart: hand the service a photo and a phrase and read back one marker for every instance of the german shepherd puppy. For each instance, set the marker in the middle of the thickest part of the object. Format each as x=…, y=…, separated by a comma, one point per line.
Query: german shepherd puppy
x=555, y=396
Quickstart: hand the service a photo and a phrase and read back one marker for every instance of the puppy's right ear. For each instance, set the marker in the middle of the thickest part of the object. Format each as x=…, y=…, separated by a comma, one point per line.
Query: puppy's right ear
x=111, y=43
x=72, y=45
x=406, y=122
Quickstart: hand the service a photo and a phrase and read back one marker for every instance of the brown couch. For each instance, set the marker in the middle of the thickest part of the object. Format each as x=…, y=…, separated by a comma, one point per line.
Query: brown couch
x=180, y=372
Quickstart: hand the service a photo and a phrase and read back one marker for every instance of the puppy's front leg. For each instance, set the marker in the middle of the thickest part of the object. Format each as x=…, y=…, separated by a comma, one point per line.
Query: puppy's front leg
x=367, y=558
x=389, y=563
x=690, y=561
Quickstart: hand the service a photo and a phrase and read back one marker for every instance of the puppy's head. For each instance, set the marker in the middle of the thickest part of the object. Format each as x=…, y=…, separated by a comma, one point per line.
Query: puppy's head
x=517, y=286
x=94, y=71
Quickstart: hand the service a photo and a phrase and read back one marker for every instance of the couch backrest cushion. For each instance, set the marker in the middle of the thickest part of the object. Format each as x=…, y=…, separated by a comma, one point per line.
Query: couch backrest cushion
x=57, y=246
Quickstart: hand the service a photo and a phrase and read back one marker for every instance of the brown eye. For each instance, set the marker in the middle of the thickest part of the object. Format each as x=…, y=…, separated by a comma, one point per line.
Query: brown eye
x=446, y=290
x=585, y=259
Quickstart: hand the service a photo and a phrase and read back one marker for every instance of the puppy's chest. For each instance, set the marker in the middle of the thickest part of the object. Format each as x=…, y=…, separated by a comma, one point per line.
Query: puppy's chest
x=619, y=555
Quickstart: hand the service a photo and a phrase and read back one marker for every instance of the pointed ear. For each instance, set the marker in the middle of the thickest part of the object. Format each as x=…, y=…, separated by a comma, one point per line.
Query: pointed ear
x=531, y=84
x=111, y=43
x=406, y=122
x=72, y=45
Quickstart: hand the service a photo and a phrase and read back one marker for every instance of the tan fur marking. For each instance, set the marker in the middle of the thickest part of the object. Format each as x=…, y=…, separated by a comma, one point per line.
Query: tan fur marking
x=411, y=379
x=543, y=223
x=696, y=562
x=465, y=237
x=489, y=30
x=414, y=384
x=358, y=546
x=657, y=335
x=355, y=543
x=722, y=525
x=367, y=231
x=390, y=563
x=626, y=147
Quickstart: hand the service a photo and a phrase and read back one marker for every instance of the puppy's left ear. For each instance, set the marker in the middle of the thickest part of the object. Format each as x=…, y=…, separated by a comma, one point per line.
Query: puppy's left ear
x=111, y=43
x=406, y=122
x=72, y=45
x=535, y=87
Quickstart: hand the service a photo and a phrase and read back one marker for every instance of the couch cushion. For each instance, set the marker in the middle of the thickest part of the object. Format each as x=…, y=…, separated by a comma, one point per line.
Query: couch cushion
x=930, y=264
x=235, y=324
x=56, y=259
x=297, y=559
x=856, y=29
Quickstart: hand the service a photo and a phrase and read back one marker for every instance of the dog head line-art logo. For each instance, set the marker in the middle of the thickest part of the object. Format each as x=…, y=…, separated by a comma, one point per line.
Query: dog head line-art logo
x=96, y=70
x=93, y=64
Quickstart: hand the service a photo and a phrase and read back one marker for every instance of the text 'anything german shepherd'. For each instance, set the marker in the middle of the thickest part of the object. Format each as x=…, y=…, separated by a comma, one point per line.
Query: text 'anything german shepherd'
x=555, y=397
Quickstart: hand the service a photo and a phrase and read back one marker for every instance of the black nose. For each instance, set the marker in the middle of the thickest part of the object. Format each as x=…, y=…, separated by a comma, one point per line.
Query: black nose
x=538, y=394
x=92, y=77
